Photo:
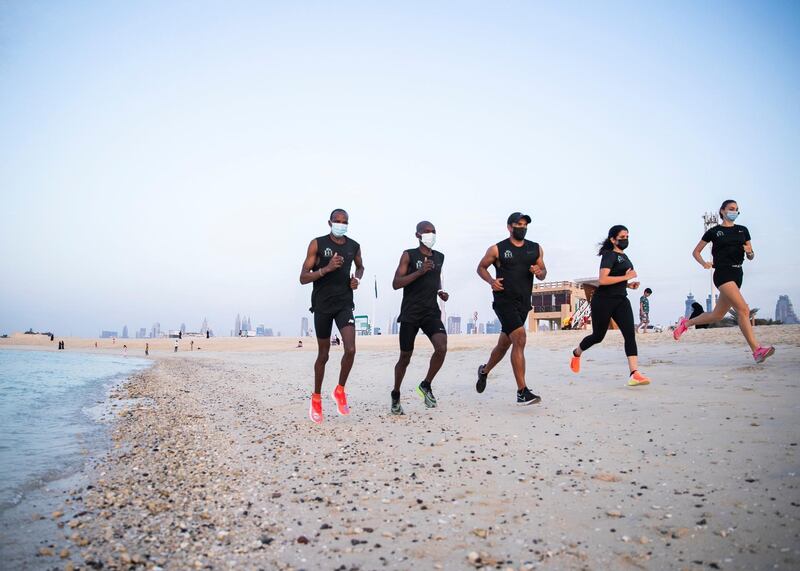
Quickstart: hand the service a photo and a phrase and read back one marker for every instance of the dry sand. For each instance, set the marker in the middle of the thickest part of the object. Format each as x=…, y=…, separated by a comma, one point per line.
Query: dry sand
x=219, y=466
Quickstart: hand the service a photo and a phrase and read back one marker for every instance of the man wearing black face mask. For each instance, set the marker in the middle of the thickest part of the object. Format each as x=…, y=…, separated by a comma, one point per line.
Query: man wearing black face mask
x=516, y=262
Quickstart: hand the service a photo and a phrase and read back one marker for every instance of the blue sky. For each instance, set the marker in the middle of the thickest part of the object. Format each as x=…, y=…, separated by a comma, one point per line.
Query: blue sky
x=166, y=161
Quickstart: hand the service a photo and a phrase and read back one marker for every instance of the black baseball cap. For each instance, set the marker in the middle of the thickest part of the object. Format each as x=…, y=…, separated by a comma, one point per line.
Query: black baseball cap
x=517, y=216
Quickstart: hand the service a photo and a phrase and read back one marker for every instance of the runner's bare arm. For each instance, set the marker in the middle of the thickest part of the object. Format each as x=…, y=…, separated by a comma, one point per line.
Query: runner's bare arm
x=489, y=258
x=696, y=254
x=401, y=280
x=356, y=280
x=539, y=269
x=307, y=275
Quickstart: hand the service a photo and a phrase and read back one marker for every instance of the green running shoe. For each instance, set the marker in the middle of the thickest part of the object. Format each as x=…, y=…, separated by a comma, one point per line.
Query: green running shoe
x=427, y=395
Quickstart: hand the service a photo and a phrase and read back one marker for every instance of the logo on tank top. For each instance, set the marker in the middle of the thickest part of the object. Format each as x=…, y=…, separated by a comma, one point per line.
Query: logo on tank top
x=720, y=233
x=419, y=264
x=328, y=253
x=620, y=259
x=507, y=254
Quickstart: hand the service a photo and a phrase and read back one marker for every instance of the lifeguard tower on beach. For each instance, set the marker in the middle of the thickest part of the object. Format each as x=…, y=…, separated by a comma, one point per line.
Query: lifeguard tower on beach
x=562, y=302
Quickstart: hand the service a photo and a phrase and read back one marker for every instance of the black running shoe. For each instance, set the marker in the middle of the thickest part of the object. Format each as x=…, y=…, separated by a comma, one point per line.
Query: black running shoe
x=396, y=409
x=427, y=395
x=480, y=386
x=526, y=397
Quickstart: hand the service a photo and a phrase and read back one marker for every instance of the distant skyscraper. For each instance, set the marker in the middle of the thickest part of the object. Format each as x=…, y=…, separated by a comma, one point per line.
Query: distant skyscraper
x=155, y=332
x=470, y=327
x=689, y=301
x=454, y=325
x=108, y=334
x=124, y=331
x=784, y=311
x=260, y=330
x=238, y=327
x=204, y=327
x=481, y=328
x=183, y=328
x=304, y=327
x=493, y=326
x=142, y=333
x=708, y=302
x=395, y=328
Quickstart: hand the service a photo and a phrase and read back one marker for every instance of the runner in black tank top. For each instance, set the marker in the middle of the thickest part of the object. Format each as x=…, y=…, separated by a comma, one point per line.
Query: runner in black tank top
x=419, y=274
x=610, y=301
x=731, y=245
x=328, y=264
x=516, y=261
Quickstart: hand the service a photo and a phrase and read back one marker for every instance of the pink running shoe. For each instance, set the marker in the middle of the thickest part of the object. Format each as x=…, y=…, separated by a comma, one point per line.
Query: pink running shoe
x=680, y=329
x=341, y=400
x=315, y=410
x=761, y=354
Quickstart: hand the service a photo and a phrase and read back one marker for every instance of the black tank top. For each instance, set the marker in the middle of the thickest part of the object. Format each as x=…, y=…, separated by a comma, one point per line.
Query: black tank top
x=419, y=297
x=514, y=266
x=332, y=292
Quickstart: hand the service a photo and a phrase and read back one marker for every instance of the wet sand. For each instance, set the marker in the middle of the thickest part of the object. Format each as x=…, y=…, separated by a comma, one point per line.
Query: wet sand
x=219, y=467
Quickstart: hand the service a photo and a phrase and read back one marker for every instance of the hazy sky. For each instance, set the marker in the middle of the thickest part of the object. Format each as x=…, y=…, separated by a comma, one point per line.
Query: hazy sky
x=166, y=161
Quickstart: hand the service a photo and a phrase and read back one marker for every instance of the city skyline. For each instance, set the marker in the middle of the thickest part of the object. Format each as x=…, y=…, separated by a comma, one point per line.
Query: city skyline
x=185, y=166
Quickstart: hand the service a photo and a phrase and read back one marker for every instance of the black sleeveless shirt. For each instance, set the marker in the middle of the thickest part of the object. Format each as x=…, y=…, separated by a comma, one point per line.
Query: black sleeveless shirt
x=419, y=297
x=332, y=292
x=514, y=266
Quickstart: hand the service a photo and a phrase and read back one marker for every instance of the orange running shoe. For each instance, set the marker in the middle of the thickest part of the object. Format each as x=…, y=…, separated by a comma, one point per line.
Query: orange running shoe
x=315, y=410
x=638, y=379
x=575, y=364
x=341, y=400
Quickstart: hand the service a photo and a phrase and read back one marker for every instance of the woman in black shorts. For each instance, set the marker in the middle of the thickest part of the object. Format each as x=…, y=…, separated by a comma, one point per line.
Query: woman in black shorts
x=610, y=301
x=731, y=244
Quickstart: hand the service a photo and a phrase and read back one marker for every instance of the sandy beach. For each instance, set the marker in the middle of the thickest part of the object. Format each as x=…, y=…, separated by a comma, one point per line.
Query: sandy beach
x=217, y=465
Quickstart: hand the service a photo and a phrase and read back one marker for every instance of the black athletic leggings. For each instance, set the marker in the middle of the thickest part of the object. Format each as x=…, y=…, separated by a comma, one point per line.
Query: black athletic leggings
x=604, y=309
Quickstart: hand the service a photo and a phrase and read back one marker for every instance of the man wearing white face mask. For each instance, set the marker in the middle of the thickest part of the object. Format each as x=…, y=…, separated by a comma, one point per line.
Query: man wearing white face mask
x=327, y=265
x=419, y=274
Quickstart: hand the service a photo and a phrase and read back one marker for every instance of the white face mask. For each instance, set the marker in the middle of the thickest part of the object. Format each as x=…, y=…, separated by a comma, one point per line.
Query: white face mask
x=428, y=239
x=338, y=229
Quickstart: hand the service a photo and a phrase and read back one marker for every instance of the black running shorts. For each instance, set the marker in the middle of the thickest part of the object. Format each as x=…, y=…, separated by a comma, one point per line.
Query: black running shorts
x=323, y=322
x=408, y=331
x=511, y=317
x=727, y=274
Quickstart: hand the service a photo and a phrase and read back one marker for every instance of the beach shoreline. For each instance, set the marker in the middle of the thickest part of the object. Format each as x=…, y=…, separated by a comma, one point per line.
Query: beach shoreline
x=221, y=468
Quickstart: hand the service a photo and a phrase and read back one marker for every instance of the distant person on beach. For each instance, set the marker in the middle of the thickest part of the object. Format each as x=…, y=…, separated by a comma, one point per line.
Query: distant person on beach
x=610, y=301
x=731, y=244
x=516, y=261
x=51, y=337
x=328, y=262
x=208, y=334
x=644, y=310
x=146, y=349
x=419, y=275
x=698, y=310
x=299, y=344
x=191, y=345
x=176, y=346
x=125, y=350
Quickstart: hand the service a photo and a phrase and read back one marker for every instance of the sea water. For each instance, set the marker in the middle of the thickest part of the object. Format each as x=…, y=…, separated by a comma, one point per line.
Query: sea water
x=48, y=418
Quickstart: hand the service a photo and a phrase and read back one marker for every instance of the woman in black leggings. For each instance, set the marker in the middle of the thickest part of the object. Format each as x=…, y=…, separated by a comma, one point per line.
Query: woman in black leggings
x=610, y=301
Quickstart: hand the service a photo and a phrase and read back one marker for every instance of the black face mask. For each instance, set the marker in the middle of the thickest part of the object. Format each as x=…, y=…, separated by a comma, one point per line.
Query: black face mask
x=518, y=233
x=622, y=244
